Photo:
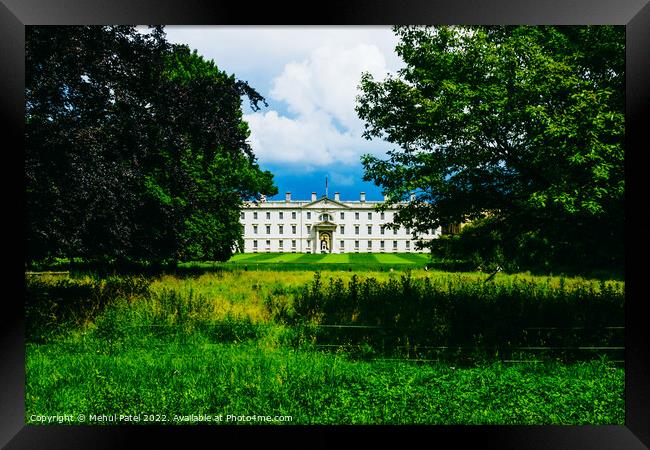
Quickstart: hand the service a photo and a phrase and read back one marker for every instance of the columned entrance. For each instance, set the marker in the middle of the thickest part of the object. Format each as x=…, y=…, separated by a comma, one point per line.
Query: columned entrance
x=325, y=241
x=324, y=237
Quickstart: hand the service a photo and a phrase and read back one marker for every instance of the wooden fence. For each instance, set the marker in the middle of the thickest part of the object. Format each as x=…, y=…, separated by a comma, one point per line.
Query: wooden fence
x=533, y=345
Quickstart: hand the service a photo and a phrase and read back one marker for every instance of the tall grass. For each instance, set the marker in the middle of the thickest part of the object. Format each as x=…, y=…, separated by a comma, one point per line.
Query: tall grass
x=433, y=315
x=55, y=304
x=246, y=342
x=418, y=308
x=409, y=301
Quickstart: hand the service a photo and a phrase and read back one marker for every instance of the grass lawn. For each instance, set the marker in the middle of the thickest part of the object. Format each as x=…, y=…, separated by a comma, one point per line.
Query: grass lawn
x=278, y=258
x=358, y=262
x=335, y=258
x=212, y=344
x=171, y=378
x=313, y=258
x=243, y=257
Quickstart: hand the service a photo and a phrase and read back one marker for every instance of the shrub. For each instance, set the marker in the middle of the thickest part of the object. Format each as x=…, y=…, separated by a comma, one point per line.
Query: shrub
x=422, y=315
x=53, y=307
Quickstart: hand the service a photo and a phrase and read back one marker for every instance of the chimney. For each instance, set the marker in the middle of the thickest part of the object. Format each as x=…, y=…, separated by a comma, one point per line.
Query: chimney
x=287, y=197
x=363, y=197
x=313, y=196
x=337, y=197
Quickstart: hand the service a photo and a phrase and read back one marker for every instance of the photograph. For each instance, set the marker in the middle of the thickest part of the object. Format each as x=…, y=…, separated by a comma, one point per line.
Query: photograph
x=325, y=225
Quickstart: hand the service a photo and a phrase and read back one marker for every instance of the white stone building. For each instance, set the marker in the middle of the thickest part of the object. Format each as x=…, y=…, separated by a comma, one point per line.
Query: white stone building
x=324, y=225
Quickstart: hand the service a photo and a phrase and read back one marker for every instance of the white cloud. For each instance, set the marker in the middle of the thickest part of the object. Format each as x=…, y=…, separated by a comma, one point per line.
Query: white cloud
x=307, y=141
x=252, y=48
x=275, y=138
x=327, y=81
x=320, y=91
x=312, y=73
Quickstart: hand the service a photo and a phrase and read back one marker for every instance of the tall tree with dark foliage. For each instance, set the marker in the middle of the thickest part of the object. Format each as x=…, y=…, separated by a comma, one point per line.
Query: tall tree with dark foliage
x=135, y=148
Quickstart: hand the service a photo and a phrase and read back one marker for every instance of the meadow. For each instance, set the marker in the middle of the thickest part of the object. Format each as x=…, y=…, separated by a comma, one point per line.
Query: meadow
x=352, y=262
x=339, y=346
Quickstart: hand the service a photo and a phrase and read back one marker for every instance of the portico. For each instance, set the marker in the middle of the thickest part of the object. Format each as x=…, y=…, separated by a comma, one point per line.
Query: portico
x=325, y=237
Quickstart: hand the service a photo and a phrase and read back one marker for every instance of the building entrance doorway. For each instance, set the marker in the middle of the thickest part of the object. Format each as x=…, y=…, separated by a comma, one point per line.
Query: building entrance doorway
x=325, y=242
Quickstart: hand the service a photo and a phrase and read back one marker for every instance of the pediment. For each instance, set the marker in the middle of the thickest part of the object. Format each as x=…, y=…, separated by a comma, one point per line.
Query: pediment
x=325, y=203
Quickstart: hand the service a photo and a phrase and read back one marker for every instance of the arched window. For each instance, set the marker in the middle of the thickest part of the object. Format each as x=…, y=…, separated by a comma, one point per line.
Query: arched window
x=325, y=217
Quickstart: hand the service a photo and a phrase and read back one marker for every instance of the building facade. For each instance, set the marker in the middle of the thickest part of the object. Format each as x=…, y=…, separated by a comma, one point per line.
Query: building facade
x=324, y=225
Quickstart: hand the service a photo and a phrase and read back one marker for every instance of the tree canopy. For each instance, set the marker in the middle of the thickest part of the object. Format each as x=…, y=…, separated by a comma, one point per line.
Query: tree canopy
x=135, y=148
x=518, y=128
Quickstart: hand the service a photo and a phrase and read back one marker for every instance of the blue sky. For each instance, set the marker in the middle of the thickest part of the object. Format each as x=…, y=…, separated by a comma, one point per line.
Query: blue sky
x=309, y=78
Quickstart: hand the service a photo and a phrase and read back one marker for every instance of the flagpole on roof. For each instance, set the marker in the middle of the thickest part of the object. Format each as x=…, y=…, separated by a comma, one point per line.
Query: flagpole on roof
x=326, y=195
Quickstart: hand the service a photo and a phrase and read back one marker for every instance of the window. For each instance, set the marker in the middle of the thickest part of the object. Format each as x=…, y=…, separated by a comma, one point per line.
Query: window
x=281, y=243
x=293, y=229
x=268, y=229
x=254, y=229
x=268, y=243
x=308, y=242
x=394, y=230
x=309, y=215
x=254, y=244
x=394, y=245
x=281, y=229
x=382, y=216
x=308, y=229
x=369, y=229
x=342, y=245
x=356, y=229
x=356, y=216
x=356, y=244
x=293, y=244
x=268, y=214
x=325, y=217
x=342, y=216
x=369, y=245
x=369, y=216
x=293, y=214
x=242, y=215
x=408, y=231
x=382, y=229
x=381, y=244
x=281, y=214
x=342, y=229
x=408, y=245
x=255, y=215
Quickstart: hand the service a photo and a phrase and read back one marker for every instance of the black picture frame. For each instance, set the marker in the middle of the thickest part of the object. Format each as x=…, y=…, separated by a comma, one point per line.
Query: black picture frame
x=16, y=14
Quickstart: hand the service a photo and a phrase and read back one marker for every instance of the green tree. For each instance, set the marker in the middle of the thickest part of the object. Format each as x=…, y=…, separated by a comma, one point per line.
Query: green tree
x=135, y=148
x=520, y=126
x=197, y=179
